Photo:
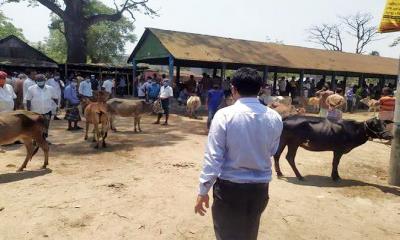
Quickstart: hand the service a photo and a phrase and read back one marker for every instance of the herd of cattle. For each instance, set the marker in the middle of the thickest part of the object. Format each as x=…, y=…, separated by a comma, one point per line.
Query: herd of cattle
x=310, y=133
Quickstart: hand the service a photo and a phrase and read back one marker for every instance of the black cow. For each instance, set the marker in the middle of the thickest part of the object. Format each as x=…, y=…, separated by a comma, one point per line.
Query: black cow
x=319, y=134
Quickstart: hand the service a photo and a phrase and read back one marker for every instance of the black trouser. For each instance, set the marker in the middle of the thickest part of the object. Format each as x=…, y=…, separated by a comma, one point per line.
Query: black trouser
x=237, y=209
x=47, y=118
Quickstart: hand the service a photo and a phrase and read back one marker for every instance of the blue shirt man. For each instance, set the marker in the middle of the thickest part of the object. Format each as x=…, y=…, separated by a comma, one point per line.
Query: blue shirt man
x=237, y=162
x=214, y=99
x=70, y=94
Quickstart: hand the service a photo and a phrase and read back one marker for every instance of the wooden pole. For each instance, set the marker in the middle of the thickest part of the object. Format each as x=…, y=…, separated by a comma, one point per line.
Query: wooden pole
x=265, y=74
x=301, y=83
x=334, y=82
x=171, y=69
x=134, y=83
x=275, y=81
x=394, y=166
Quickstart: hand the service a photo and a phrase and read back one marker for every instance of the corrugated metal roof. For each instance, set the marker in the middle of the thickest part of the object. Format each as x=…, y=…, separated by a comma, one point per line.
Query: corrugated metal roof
x=197, y=47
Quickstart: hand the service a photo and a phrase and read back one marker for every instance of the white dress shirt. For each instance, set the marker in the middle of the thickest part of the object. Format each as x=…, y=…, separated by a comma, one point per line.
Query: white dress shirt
x=85, y=88
x=41, y=98
x=166, y=92
x=242, y=139
x=108, y=85
x=27, y=84
x=57, y=88
x=7, y=96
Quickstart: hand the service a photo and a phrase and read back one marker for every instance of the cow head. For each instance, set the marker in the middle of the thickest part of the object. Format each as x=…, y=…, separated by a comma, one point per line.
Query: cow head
x=376, y=128
x=101, y=96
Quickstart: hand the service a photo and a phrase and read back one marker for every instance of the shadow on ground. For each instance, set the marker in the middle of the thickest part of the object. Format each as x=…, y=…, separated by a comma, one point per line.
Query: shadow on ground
x=325, y=181
x=18, y=176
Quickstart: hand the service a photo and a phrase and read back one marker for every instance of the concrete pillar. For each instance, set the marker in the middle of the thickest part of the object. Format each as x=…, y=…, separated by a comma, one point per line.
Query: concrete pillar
x=265, y=74
x=301, y=83
x=275, y=82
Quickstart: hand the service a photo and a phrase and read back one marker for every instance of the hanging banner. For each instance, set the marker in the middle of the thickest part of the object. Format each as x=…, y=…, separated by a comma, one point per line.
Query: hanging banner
x=391, y=17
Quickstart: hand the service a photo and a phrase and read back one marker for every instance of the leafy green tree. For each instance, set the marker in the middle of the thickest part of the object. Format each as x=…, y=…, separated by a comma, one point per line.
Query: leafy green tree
x=77, y=18
x=106, y=40
x=7, y=28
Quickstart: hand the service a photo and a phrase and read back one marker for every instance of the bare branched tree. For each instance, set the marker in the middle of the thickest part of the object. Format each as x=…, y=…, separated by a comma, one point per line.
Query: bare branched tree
x=359, y=26
x=328, y=36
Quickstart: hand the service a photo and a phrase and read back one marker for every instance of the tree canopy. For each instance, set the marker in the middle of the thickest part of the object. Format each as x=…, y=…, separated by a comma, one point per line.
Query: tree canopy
x=106, y=40
x=78, y=18
x=7, y=28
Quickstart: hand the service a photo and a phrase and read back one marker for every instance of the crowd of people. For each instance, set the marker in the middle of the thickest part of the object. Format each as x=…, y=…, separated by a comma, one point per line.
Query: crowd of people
x=46, y=93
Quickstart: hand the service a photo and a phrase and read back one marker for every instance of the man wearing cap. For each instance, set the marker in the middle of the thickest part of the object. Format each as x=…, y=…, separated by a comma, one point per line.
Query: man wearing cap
x=7, y=95
x=166, y=93
x=39, y=99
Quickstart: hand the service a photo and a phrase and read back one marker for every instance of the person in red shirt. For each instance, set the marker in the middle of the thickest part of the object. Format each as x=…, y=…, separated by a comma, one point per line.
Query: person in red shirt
x=387, y=104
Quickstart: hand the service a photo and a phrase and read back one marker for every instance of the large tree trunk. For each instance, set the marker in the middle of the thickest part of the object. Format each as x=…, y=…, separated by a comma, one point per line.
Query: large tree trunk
x=76, y=27
x=75, y=35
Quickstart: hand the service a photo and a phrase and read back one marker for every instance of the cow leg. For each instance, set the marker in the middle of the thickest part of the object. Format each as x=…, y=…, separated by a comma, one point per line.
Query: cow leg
x=292, y=150
x=277, y=157
x=43, y=144
x=104, y=135
x=336, y=160
x=87, y=130
x=112, y=123
x=29, y=152
x=135, y=124
x=138, y=124
x=96, y=135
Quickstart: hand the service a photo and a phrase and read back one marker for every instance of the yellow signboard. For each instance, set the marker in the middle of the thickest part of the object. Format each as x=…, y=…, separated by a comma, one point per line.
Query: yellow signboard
x=391, y=17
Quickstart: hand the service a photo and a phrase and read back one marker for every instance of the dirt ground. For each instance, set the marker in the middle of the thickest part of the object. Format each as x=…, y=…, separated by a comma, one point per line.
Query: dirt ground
x=143, y=186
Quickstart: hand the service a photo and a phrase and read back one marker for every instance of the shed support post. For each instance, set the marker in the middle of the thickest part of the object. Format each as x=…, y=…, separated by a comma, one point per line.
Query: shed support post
x=178, y=75
x=344, y=83
x=394, y=165
x=334, y=82
x=223, y=71
x=171, y=68
x=275, y=81
x=381, y=83
x=265, y=74
x=134, y=78
x=214, y=73
x=301, y=83
x=65, y=72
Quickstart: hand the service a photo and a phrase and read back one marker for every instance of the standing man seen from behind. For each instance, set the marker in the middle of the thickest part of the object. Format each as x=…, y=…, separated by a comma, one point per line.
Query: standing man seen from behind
x=7, y=94
x=323, y=94
x=108, y=86
x=55, y=82
x=242, y=139
x=40, y=98
x=85, y=89
x=215, y=96
x=94, y=83
x=166, y=92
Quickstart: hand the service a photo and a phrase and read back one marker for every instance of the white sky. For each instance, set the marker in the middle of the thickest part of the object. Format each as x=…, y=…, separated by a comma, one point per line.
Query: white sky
x=285, y=20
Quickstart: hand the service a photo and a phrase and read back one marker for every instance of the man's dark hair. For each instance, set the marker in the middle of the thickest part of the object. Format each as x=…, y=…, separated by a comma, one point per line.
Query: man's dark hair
x=339, y=90
x=247, y=81
x=40, y=77
x=163, y=76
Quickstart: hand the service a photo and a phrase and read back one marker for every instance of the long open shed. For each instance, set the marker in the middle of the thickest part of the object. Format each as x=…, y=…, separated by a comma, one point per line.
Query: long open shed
x=182, y=49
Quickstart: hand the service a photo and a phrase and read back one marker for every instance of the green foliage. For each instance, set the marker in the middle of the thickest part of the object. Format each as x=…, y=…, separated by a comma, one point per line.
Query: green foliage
x=105, y=40
x=7, y=28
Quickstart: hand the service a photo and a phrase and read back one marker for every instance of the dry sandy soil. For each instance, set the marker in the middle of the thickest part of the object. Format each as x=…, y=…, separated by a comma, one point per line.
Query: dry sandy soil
x=143, y=186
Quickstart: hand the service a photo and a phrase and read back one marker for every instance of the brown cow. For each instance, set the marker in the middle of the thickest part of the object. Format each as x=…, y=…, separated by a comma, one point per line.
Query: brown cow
x=27, y=127
x=286, y=111
x=96, y=113
x=128, y=108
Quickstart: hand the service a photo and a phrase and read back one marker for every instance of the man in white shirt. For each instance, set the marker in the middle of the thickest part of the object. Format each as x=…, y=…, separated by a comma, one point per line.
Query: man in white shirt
x=108, y=86
x=39, y=99
x=29, y=82
x=282, y=86
x=241, y=142
x=166, y=92
x=85, y=88
x=7, y=94
x=55, y=83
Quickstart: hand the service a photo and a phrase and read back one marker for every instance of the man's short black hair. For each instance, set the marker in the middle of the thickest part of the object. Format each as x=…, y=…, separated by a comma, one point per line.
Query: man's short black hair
x=164, y=76
x=247, y=81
